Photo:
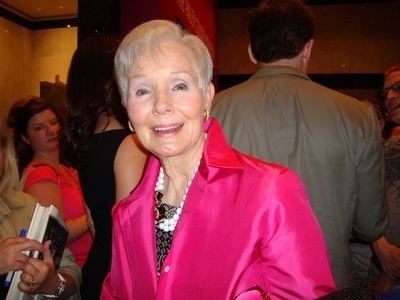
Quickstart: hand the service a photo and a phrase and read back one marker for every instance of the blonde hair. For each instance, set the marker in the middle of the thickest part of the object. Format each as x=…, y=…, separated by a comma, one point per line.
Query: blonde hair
x=9, y=176
x=146, y=38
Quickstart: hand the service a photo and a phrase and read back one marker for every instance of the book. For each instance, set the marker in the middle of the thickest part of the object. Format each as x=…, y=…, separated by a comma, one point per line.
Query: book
x=46, y=224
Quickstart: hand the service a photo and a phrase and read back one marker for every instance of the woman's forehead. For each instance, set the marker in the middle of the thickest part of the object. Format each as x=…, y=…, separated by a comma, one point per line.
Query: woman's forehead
x=44, y=114
x=392, y=78
x=164, y=55
x=166, y=50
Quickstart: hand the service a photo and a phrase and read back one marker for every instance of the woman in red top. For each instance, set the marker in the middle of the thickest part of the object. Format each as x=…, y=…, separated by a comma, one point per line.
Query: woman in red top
x=37, y=133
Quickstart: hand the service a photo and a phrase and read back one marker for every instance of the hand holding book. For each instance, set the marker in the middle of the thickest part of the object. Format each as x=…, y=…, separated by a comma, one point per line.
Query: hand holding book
x=11, y=253
x=39, y=276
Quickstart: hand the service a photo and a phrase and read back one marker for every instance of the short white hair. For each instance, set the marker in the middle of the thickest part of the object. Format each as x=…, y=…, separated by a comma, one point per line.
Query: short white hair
x=146, y=38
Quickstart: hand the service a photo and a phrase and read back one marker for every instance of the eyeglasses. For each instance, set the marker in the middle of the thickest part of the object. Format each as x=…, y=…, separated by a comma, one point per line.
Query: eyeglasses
x=395, y=87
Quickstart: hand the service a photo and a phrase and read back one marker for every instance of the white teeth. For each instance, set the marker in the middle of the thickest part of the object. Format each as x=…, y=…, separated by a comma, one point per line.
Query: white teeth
x=166, y=128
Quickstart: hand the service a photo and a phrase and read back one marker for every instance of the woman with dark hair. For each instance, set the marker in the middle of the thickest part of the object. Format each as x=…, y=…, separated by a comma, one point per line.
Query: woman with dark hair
x=39, y=276
x=18, y=119
x=106, y=154
x=37, y=134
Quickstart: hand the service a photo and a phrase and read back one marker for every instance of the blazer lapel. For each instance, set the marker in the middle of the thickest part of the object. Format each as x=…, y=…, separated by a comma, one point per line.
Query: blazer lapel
x=217, y=154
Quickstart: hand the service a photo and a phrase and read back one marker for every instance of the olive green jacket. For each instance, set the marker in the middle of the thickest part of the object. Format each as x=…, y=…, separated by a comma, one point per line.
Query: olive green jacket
x=331, y=140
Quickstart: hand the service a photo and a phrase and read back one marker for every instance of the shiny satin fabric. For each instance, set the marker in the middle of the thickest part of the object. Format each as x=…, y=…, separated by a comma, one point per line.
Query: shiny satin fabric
x=246, y=232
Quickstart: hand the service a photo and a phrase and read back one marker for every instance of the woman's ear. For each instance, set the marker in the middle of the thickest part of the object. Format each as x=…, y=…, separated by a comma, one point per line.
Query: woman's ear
x=209, y=96
x=123, y=102
x=25, y=139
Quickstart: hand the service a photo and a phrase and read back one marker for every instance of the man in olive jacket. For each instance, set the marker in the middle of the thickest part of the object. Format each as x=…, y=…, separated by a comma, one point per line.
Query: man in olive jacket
x=332, y=140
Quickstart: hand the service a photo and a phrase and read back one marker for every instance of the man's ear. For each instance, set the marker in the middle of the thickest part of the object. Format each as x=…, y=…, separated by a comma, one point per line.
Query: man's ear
x=306, y=54
x=251, y=56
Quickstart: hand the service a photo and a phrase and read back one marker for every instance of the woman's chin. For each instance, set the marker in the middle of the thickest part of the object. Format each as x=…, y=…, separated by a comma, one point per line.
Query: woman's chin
x=54, y=146
x=165, y=154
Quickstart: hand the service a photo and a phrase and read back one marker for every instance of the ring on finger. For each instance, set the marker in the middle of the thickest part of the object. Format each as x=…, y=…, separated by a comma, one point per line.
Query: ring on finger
x=32, y=283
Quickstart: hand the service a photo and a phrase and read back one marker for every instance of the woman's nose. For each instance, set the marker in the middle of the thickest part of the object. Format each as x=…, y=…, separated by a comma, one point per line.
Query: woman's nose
x=51, y=130
x=392, y=94
x=163, y=103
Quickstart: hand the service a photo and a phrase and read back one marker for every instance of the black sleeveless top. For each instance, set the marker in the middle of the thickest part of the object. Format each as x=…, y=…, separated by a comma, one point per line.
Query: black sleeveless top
x=3, y=290
x=98, y=186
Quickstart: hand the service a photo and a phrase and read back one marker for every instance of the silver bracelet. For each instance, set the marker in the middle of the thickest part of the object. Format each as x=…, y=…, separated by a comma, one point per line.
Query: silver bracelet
x=60, y=289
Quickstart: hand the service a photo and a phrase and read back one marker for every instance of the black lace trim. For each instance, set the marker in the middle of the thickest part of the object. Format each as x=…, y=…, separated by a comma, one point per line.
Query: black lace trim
x=163, y=238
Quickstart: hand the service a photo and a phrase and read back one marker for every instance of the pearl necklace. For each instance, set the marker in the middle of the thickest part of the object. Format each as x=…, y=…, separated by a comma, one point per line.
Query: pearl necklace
x=169, y=224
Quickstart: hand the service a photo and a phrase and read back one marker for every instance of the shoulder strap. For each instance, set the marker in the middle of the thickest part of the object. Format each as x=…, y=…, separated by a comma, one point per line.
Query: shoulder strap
x=25, y=175
x=28, y=170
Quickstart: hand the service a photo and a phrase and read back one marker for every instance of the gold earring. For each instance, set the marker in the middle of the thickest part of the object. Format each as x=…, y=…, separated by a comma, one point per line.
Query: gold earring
x=130, y=126
x=205, y=115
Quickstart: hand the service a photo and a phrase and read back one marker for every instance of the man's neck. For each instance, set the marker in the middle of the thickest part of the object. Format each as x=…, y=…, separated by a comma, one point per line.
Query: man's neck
x=287, y=62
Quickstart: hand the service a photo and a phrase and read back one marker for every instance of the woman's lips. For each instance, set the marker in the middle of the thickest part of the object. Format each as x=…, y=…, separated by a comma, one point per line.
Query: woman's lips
x=165, y=129
x=51, y=140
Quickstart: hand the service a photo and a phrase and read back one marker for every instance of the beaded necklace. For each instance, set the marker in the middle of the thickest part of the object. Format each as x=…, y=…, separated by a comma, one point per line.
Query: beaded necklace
x=162, y=221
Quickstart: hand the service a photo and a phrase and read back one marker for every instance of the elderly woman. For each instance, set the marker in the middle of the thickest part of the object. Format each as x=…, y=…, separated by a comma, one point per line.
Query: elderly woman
x=16, y=209
x=205, y=221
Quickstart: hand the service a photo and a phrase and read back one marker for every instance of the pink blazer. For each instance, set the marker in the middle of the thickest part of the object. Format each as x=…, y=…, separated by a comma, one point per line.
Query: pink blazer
x=246, y=232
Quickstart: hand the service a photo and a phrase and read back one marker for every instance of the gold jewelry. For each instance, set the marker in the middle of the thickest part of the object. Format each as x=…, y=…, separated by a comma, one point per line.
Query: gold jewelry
x=130, y=126
x=205, y=115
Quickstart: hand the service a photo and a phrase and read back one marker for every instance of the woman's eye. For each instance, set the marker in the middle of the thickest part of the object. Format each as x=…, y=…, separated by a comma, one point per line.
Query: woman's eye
x=180, y=87
x=141, y=92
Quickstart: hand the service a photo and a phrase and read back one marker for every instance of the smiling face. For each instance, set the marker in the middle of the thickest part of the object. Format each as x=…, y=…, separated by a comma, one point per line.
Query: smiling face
x=166, y=104
x=392, y=99
x=42, y=132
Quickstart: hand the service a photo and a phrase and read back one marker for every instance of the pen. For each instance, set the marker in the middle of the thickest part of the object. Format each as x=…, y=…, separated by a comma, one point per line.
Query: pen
x=10, y=274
